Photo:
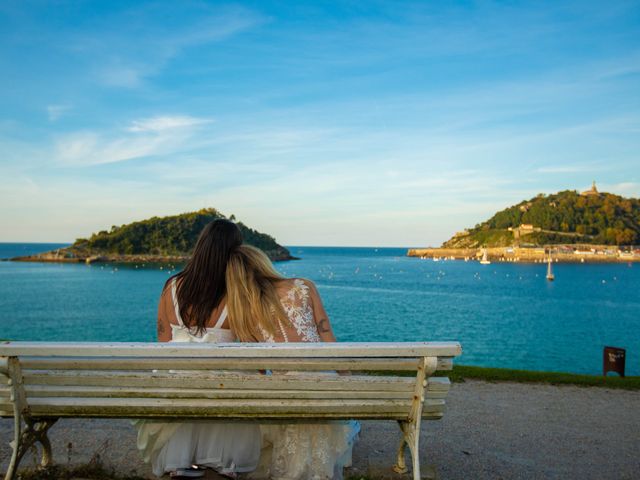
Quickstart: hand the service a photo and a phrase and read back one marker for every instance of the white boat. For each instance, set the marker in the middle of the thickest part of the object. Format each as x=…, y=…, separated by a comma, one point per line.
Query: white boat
x=550, y=276
x=485, y=260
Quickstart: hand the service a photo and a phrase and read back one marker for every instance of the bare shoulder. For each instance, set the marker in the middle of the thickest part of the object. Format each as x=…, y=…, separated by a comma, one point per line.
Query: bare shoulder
x=296, y=284
x=165, y=295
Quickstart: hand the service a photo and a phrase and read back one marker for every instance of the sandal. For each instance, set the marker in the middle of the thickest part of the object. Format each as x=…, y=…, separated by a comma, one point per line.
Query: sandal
x=187, y=473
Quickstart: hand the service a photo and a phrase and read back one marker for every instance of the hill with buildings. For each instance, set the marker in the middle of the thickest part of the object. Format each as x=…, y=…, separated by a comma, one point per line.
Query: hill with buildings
x=566, y=217
x=169, y=238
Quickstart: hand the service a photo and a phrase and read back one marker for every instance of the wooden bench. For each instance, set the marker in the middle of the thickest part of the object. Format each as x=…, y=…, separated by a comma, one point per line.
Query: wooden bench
x=41, y=382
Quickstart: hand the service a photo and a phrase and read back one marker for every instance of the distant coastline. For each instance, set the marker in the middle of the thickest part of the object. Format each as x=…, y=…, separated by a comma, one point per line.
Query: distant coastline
x=567, y=226
x=71, y=255
x=559, y=253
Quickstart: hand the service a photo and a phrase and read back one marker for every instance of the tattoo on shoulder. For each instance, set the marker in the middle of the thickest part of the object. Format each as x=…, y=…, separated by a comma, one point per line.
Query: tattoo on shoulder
x=323, y=325
x=160, y=326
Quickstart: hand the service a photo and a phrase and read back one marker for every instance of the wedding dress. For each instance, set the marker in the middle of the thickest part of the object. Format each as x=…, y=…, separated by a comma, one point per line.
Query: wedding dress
x=226, y=447
x=313, y=451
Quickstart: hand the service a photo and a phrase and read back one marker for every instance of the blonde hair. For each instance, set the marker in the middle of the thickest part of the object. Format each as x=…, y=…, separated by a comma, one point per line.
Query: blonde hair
x=253, y=302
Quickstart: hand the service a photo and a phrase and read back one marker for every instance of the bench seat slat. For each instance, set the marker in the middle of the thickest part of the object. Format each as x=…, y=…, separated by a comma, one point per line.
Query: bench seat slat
x=135, y=407
x=314, y=364
x=256, y=350
x=445, y=364
x=274, y=418
x=220, y=380
x=438, y=387
x=41, y=391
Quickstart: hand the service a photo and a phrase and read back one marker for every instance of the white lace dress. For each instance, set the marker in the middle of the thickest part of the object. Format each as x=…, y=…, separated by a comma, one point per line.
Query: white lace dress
x=225, y=447
x=314, y=451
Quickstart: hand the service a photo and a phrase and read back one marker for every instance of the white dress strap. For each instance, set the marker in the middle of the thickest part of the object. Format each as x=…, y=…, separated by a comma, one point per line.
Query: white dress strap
x=174, y=296
x=222, y=318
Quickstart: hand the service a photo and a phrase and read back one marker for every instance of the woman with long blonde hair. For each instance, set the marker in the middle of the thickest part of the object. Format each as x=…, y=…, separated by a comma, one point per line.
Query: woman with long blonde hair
x=264, y=306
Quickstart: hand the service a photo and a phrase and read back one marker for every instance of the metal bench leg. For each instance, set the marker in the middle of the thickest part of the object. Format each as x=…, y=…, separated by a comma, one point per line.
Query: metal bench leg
x=401, y=466
x=410, y=438
x=15, y=445
x=47, y=455
x=411, y=426
x=24, y=437
x=35, y=430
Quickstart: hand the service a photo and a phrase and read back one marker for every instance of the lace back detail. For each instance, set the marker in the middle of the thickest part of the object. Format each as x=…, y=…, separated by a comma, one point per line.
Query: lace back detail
x=299, y=310
x=297, y=306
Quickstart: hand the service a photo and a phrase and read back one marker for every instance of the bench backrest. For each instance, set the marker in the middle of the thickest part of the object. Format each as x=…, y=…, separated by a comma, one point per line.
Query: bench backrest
x=224, y=380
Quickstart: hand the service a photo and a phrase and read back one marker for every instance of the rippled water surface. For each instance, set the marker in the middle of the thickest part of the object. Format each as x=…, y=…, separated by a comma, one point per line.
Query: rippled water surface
x=505, y=315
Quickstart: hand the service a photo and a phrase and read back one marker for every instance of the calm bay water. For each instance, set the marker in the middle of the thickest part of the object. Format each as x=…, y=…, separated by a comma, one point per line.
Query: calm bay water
x=504, y=315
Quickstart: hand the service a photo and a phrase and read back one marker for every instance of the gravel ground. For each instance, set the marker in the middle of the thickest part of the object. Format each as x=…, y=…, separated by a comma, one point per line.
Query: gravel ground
x=490, y=431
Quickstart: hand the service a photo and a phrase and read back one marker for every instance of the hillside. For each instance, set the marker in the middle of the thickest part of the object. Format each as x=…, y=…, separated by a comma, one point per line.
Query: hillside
x=157, y=239
x=566, y=217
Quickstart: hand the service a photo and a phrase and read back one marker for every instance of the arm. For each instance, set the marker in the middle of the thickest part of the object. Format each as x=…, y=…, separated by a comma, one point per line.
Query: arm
x=320, y=315
x=164, y=327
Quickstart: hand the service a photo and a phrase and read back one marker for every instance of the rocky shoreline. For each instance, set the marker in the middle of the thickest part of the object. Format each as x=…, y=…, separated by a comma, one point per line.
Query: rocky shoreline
x=71, y=255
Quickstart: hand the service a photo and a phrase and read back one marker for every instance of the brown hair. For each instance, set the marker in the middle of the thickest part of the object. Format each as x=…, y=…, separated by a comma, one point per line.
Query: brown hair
x=253, y=302
x=202, y=284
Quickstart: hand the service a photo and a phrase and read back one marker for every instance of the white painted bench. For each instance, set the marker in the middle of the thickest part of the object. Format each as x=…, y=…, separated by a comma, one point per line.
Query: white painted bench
x=43, y=381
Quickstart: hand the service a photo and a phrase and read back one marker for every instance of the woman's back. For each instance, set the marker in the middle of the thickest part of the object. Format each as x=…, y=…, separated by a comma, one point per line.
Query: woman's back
x=307, y=320
x=171, y=326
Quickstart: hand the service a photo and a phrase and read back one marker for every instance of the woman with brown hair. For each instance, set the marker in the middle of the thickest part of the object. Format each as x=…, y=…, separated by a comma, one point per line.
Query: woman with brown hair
x=193, y=308
x=265, y=307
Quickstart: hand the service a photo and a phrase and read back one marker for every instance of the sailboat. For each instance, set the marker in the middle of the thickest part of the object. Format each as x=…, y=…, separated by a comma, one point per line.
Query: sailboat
x=485, y=260
x=550, y=276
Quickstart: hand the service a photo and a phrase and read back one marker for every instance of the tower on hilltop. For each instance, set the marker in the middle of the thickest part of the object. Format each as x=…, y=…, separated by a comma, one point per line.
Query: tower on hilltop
x=592, y=191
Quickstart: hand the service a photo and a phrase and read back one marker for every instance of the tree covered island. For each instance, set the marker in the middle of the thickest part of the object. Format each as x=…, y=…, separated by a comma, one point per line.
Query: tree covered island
x=570, y=225
x=157, y=239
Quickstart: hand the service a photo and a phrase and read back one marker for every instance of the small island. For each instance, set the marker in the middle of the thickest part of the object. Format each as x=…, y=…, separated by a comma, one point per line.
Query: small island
x=567, y=226
x=158, y=239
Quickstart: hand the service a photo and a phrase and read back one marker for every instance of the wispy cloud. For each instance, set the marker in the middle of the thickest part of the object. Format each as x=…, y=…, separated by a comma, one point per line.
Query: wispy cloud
x=626, y=189
x=162, y=123
x=584, y=168
x=155, y=136
x=156, y=41
x=116, y=73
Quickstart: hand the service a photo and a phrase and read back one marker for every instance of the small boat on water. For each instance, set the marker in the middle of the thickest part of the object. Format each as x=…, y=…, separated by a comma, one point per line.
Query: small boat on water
x=485, y=260
x=550, y=276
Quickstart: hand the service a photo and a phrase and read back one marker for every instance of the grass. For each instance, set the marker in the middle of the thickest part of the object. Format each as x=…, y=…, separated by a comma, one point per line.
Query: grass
x=94, y=470
x=460, y=373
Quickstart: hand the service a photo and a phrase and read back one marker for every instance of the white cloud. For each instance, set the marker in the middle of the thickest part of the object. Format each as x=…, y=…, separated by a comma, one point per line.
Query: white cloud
x=161, y=123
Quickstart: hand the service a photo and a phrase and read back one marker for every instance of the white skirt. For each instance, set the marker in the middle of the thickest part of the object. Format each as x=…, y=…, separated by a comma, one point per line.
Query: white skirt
x=225, y=447
x=311, y=451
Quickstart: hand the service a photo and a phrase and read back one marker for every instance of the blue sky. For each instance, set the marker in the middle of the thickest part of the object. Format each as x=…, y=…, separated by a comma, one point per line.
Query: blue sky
x=322, y=123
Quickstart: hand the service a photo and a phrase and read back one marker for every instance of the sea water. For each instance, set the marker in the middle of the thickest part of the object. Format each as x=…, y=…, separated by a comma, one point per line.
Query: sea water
x=504, y=314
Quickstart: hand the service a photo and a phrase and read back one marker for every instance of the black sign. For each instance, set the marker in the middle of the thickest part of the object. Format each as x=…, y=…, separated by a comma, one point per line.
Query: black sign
x=613, y=360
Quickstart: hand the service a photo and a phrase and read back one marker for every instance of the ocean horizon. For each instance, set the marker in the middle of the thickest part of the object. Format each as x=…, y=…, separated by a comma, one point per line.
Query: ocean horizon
x=505, y=315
